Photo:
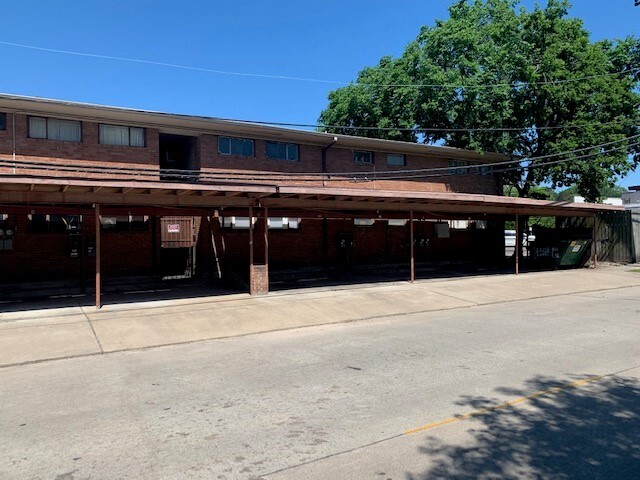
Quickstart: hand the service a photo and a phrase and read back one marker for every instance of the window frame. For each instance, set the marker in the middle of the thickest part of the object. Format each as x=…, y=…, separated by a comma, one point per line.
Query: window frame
x=401, y=155
x=46, y=128
x=231, y=153
x=3, y=121
x=286, y=152
x=361, y=152
x=459, y=167
x=144, y=135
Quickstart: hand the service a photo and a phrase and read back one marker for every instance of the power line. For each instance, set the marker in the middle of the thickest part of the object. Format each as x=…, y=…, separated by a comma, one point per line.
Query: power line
x=428, y=129
x=315, y=80
x=170, y=65
x=511, y=169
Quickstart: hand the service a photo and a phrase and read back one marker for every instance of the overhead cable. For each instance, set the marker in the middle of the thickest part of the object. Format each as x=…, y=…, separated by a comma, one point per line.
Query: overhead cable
x=316, y=80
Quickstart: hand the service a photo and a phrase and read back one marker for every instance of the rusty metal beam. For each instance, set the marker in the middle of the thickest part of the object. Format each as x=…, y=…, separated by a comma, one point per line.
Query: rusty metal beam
x=595, y=242
x=98, y=260
x=74, y=198
x=518, y=241
x=250, y=250
x=412, y=261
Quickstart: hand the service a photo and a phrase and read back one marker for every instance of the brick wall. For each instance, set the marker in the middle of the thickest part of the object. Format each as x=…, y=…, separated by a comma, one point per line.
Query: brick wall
x=339, y=161
x=75, y=153
x=46, y=256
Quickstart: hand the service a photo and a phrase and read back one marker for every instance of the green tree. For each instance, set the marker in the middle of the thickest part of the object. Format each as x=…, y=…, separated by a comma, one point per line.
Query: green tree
x=494, y=64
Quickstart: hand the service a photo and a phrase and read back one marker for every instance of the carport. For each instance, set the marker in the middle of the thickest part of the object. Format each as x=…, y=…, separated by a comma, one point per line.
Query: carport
x=139, y=197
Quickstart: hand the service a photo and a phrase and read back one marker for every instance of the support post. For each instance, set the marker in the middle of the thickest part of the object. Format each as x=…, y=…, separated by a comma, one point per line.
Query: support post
x=595, y=242
x=518, y=240
x=266, y=239
x=250, y=250
x=259, y=268
x=98, y=279
x=411, y=248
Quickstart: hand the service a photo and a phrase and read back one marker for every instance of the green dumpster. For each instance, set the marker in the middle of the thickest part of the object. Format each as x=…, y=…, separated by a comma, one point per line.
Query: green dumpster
x=573, y=252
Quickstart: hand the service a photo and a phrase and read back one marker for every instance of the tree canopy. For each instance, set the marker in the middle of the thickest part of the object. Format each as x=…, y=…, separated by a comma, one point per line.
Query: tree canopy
x=496, y=77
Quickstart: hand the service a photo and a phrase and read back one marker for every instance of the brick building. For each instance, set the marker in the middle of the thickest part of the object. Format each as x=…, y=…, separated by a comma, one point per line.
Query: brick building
x=93, y=192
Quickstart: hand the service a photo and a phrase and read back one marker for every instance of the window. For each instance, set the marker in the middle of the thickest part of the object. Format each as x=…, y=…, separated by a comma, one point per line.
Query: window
x=363, y=222
x=55, y=129
x=42, y=223
x=362, y=157
x=283, y=223
x=3, y=121
x=458, y=167
x=282, y=151
x=121, y=135
x=125, y=223
x=235, y=146
x=397, y=222
x=459, y=224
x=485, y=169
x=396, y=160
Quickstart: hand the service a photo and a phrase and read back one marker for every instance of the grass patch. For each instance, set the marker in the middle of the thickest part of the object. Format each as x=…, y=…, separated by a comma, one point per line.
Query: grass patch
x=635, y=270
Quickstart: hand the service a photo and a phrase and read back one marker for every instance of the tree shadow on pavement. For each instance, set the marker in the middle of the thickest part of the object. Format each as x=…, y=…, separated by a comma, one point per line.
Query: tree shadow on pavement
x=592, y=431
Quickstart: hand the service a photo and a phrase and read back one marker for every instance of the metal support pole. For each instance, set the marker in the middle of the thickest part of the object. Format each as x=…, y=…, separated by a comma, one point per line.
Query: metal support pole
x=251, y=250
x=595, y=242
x=98, y=279
x=518, y=240
x=412, y=261
x=266, y=237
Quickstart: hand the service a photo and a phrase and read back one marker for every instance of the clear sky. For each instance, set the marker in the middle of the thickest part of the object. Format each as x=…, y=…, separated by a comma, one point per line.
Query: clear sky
x=329, y=40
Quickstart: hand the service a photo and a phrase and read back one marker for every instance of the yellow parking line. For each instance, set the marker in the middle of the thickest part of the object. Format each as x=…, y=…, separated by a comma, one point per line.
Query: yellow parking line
x=510, y=403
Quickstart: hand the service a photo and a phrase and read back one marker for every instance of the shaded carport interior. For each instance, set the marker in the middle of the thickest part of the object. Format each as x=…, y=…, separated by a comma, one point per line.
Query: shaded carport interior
x=138, y=197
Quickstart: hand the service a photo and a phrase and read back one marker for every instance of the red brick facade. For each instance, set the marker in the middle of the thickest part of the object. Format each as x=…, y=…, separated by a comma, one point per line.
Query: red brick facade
x=48, y=256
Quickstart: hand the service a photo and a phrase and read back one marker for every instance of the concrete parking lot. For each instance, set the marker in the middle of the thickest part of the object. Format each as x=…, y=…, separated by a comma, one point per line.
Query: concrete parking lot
x=545, y=387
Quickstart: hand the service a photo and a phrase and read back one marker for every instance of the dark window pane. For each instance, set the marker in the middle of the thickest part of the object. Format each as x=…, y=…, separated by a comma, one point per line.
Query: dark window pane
x=224, y=145
x=276, y=150
x=363, y=157
x=292, y=152
x=3, y=121
x=395, y=160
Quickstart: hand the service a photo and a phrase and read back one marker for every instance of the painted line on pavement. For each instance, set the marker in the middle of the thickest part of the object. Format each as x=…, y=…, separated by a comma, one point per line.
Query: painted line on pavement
x=510, y=403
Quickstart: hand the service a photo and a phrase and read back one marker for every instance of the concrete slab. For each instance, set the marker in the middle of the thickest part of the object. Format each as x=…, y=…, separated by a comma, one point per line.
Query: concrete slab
x=21, y=344
x=32, y=335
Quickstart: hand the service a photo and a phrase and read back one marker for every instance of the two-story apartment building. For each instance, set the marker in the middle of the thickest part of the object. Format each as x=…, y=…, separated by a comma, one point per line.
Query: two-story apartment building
x=93, y=192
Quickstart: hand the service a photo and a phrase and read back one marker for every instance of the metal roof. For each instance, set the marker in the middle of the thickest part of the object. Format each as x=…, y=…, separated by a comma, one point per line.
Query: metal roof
x=51, y=191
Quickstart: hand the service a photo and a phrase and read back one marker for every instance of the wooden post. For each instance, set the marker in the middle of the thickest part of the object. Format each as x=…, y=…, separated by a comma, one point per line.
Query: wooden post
x=97, y=252
x=412, y=261
x=251, y=250
x=595, y=242
x=518, y=240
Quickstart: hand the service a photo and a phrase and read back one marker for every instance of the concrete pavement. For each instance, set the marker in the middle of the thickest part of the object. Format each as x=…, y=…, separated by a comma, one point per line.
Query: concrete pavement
x=337, y=401
x=35, y=334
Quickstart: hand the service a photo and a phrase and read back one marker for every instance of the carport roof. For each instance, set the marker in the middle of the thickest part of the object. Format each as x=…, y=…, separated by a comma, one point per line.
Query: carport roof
x=79, y=192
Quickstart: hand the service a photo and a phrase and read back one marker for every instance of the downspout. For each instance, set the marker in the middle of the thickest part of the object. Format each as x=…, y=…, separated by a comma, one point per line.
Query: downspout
x=324, y=160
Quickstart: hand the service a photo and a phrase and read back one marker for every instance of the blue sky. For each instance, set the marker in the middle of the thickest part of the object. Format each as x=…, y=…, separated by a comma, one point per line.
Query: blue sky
x=329, y=40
